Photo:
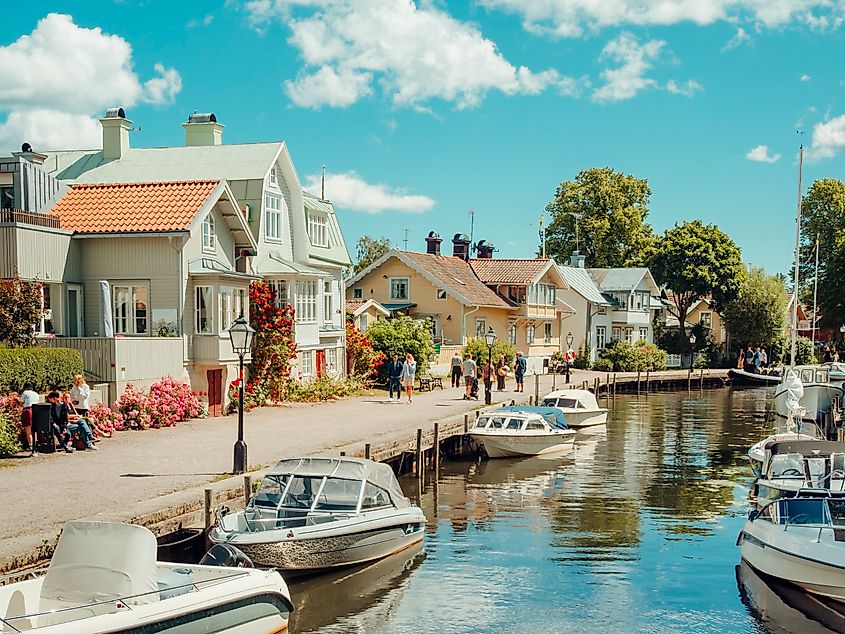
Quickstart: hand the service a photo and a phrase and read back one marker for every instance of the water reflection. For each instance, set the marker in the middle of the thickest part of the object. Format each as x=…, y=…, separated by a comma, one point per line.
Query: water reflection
x=633, y=530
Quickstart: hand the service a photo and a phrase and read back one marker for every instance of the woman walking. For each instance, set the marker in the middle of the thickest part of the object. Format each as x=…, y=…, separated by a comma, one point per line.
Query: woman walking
x=409, y=371
x=501, y=373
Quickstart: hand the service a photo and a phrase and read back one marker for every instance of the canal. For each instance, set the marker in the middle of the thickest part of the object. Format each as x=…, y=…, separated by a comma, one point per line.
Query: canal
x=632, y=531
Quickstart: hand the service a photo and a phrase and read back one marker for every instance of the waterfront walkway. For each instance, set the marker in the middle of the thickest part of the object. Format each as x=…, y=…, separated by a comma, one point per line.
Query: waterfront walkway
x=136, y=474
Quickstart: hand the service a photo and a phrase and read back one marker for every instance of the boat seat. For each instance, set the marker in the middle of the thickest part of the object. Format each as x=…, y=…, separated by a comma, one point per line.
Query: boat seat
x=175, y=583
x=15, y=612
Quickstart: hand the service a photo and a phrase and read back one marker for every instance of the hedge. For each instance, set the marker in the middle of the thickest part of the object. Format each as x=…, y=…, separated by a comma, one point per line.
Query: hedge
x=45, y=368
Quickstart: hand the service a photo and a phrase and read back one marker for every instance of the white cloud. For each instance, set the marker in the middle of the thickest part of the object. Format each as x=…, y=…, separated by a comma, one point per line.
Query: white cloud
x=70, y=73
x=739, y=38
x=687, y=89
x=349, y=191
x=635, y=60
x=412, y=53
x=828, y=139
x=805, y=77
x=573, y=18
x=205, y=20
x=761, y=154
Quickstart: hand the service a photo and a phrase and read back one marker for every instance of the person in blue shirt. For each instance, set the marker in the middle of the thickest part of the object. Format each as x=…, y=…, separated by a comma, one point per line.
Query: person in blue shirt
x=394, y=374
x=520, y=366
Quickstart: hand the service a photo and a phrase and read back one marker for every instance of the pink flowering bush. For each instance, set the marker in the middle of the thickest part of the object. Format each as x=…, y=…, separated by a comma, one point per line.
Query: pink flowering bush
x=171, y=401
x=11, y=405
x=134, y=408
x=105, y=419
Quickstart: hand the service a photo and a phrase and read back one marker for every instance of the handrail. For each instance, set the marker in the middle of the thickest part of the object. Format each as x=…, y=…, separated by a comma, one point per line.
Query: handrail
x=15, y=216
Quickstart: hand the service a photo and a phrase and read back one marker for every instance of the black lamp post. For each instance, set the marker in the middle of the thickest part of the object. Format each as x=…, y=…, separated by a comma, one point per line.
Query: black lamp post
x=240, y=334
x=691, y=350
x=490, y=338
x=569, y=340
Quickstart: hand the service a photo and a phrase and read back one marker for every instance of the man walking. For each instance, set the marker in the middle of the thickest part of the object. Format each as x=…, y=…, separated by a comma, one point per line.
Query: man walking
x=470, y=371
x=520, y=366
x=394, y=374
x=456, y=369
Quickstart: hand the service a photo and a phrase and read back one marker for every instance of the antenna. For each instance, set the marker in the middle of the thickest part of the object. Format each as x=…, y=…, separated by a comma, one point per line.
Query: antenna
x=471, y=213
x=542, y=232
x=405, y=241
x=793, y=347
x=323, y=184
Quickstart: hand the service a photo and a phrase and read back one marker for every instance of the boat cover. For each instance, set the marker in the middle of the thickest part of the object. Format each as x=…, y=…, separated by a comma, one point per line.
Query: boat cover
x=554, y=416
x=585, y=397
x=96, y=561
x=345, y=468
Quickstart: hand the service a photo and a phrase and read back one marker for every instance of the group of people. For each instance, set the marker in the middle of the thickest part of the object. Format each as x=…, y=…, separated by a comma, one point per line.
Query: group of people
x=401, y=374
x=467, y=369
x=68, y=412
x=752, y=359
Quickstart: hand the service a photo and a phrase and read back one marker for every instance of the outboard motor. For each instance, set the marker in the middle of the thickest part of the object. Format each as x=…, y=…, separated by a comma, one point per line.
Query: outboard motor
x=227, y=556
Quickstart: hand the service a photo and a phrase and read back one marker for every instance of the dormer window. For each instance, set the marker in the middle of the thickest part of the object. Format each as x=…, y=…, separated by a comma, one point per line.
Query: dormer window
x=272, y=217
x=273, y=180
x=209, y=238
x=318, y=230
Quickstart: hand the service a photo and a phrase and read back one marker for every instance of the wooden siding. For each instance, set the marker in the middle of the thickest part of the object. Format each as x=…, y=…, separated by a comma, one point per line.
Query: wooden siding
x=34, y=253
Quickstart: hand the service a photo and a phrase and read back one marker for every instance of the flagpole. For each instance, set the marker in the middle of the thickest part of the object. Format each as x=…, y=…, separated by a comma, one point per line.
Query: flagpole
x=815, y=293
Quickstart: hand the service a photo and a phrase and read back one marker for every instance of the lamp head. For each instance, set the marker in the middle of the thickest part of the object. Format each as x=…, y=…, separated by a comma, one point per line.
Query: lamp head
x=569, y=339
x=240, y=334
x=490, y=337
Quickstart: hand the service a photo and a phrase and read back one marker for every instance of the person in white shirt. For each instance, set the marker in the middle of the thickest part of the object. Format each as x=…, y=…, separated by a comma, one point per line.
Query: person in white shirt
x=29, y=397
x=79, y=395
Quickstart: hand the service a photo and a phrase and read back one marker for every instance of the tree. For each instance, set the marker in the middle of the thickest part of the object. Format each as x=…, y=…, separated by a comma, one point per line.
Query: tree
x=757, y=314
x=694, y=260
x=611, y=226
x=20, y=312
x=369, y=250
x=401, y=335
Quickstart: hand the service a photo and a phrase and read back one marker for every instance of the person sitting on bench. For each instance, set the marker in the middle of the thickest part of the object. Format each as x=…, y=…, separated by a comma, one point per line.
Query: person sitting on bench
x=61, y=425
x=78, y=423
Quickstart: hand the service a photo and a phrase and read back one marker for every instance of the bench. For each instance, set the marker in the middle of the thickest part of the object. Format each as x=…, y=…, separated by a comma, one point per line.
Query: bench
x=429, y=383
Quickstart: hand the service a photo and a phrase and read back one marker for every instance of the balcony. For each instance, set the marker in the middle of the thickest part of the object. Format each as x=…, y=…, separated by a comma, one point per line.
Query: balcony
x=14, y=216
x=213, y=350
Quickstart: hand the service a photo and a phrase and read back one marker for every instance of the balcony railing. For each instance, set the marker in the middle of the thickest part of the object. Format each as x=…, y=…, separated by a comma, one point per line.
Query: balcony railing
x=14, y=216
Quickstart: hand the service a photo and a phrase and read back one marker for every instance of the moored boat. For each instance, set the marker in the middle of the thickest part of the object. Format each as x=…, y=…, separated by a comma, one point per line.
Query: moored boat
x=314, y=513
x=741, y=377
x=811, y=386
x=580, y=407
x=792, y=465
x=522, y=431
x=757, y=453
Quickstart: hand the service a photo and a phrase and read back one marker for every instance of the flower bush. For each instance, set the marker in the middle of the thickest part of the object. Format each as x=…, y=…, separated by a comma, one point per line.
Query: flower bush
x=12, y=405
x=105, y=419
x=171, y=401
x=273, y=345
x=134, y=408
x=362, y=359
x=254, y=396
x=9, y=435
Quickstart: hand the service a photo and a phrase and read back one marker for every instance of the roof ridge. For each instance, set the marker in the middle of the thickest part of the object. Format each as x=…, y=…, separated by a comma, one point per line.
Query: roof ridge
x=147, y=183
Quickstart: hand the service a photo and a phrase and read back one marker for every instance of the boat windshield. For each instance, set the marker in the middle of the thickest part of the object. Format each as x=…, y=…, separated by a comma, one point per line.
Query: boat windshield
x=269, y=494
x=514, y=424
x=790, y=465
x=567, y=403
x=322, y=494
x=803, y=511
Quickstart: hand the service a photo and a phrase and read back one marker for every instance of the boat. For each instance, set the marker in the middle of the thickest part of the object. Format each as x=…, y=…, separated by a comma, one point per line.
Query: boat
x=315, y=513
x=513, y=431
x=580, y=407
x=741, y=377
x=801, y=540
x=757, y=453
x=792, y=465
x=835, y=370
x=104, y=577
x=813, y=388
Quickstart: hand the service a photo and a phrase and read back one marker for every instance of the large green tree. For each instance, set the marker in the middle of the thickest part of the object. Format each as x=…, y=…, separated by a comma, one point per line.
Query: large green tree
x=610, y=209
x=694, y=260
x=758, y=312
x=20, y=312
x=369, y=250
x=401, y=335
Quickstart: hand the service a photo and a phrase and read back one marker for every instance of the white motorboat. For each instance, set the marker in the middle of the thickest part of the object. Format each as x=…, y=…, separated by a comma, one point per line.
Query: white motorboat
x=580, y=407
x=522, y=431
x=812, y=387
x=792, y=465
x=318, y=512
x=757, y=453
x=104, y=577
x=801, y=540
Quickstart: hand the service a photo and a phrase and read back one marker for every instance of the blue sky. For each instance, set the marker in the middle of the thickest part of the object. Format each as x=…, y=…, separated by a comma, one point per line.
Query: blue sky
x=423, y=111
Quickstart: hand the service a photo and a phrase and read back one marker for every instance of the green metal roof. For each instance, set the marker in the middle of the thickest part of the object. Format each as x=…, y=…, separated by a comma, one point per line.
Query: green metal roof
x=271, y=263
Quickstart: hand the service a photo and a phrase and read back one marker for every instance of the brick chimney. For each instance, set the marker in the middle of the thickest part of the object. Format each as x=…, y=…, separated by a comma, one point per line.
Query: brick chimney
x=460, y=246
x=485, y=249
x=433, y=241
x=576, y=260
x=202, y=129
x=115, y=134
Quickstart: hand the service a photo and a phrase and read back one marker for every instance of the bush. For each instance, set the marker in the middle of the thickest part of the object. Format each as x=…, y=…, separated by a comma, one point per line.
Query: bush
x=9, y=435
x=479, y=351
x=254, y=395
x=20, y=311
x=134, y=408
x=45, y=368
x=603, y=365
x=326, y=388
x=582, y=361
x=363, y=360
x=105, y=419
x=781, y=351
x=625, y=357
x=402, y=335
x=171, y=401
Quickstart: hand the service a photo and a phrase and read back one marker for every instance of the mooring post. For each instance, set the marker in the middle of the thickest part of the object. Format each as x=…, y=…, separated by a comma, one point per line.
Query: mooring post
x=614, y=384
x=342, y=453
x=689, y=379
x=207, y=509
x=536, y=388
x=466, y=424
x=638, y=382
x=418, y=462
x=436, y=456
x=701, y=379
x=647, y=382
x=530, y=400
x=247, y=489
x=840, y=434
x=367, y=451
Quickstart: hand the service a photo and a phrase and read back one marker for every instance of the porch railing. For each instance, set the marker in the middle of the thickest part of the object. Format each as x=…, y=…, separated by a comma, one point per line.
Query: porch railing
x=14, y=216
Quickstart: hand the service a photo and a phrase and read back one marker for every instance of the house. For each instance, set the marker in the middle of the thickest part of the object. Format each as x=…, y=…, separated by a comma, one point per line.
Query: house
x=703, y=312
x=634, y=297
x=590, y=322
x=362, y=313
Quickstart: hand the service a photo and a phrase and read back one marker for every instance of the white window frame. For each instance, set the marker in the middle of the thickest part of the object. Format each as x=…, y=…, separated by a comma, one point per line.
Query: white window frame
x=45, y=324
x=358, y=293
x=225, y=309
x=709, y=320
x=363, y=320
x=530, y=332
x=480, y=327
x=328, y=302
x=273, y=178
x=209, y=237
x=273, y=225
x=547, y=332
x=512, y=332
x=441, y=294
x=395, y=297
x=601, y=337
x=616, y=333
x=331, y=361
x=318, y=228
x=629, y=335
x=240, y=303
x=643, y=334
x=203, y=310
x=306, y=366
x=127, y=324
x=280, y=291
x=306, y=301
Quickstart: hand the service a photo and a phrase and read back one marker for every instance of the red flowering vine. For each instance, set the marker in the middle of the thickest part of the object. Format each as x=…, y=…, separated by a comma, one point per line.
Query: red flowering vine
x=362, y=360
x=273, y=345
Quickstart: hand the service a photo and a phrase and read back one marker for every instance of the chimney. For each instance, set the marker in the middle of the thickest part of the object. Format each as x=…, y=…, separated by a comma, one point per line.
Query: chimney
x=576, y=260
x=433, y=243
x=485, y=249
x=28, y=154
x=460, y=246
x=202, y=129
x=115, y=133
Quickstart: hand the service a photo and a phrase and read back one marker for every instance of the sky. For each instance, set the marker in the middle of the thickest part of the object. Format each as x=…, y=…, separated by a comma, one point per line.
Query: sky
x=422, y=111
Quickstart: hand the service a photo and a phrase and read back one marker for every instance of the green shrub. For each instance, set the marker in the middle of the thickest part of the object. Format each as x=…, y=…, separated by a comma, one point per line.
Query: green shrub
x=603, y=365
x=625, y=357
x=326, y=388
x=45, y=368
x=582, y=360
x=781, y=351
x=9, y=443
x=402, y=335
x=478, y=349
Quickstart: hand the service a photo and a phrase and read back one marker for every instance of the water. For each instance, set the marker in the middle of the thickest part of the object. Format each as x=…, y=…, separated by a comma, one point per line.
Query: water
x=633, y=531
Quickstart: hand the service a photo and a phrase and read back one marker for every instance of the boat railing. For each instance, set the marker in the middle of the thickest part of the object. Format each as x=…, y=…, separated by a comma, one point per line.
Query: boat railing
x=116, y=603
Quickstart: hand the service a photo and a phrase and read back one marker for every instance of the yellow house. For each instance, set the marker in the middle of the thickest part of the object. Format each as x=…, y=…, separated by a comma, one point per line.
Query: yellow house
x=703, y=312
x=363, y=313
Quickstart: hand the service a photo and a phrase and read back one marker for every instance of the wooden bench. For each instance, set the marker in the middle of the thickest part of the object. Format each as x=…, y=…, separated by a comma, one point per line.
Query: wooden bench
x=428, y=383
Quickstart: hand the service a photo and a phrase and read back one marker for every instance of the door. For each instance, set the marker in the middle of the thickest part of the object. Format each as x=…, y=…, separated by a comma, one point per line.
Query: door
x=215, y=392
x=74, y=310
x=321, y=363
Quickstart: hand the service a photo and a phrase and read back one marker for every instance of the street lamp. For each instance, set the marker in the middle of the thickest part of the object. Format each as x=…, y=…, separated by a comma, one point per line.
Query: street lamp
x=490, y=338
x=692, y=350
x=240, y=334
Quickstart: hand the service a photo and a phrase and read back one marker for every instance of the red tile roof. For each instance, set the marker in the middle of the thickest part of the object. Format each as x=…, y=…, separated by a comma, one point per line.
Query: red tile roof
x=354, y=304
x=508, y=271
x=133, y=207
x=456, y=277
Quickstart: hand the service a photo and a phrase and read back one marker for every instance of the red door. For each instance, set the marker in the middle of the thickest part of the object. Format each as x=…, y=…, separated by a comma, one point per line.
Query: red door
x=321, y=363
x=215, y=392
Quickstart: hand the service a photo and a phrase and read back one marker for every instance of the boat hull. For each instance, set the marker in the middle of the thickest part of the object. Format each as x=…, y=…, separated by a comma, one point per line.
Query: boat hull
x=741, y=377
x=510, y=446
x=579, y=419
x=817, y=399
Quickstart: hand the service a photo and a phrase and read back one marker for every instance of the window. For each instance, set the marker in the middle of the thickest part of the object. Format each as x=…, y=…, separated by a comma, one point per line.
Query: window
x=617, y=333
x=328, y=304
x=280, y=292
x=130, y=310
x=514, y=424
x=202, y=311
x=480, y=328
x=331, y=361
x=638, y=301
x=601, y=337
x=629, y=335
x=646, y=302
x=306, y=301
x=357, y=293
x=707, y=320
x=306, y=363
x=240, y=298
x=272, y=217
x=399, y=288
x=542, y=294
x=46, y=323
x=622, y=300
x=374, y=497
x=273, y=179
x=529, y=334
x=643, y=334
x=209, y=238
x=362, y=322
x=318, y=231
x=225, y=306
x=547, y=332
x=534, y=424
x=441, y=294
x=512, y=333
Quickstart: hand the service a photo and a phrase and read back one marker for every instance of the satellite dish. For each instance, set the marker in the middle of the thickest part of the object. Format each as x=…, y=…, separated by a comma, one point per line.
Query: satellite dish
x=26, y=147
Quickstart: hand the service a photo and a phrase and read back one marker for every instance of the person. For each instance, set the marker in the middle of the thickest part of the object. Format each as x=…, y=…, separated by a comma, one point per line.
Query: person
x=749, y=359
x=501, y=373
x=487, y=377
x=409, y=371
x=470, y=370
x=456, y=369
x=394, y=374
x=78, y=423
x=740, y=360
x=29, y=397
x=764, y=357
x=79, y=395
x=757, y=361
x=827, y=358
x=520, y=366
x=59, y=420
